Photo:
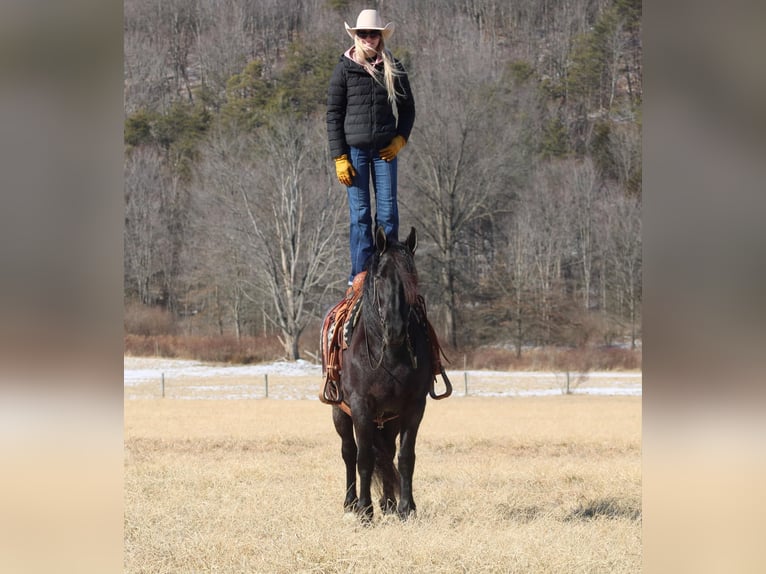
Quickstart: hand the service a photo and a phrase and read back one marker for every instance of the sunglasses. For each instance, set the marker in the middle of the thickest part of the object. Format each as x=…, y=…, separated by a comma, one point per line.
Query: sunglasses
x=368, y=33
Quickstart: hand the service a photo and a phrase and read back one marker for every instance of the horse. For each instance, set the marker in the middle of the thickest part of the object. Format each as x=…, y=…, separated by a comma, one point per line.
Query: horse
x=386, y=376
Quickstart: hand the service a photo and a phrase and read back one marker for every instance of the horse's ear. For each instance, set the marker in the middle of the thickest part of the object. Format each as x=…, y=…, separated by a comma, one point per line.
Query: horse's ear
x=412, y=240
x=380, y=240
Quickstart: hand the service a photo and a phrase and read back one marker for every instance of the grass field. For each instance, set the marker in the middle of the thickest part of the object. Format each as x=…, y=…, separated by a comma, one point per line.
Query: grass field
x=534, y=484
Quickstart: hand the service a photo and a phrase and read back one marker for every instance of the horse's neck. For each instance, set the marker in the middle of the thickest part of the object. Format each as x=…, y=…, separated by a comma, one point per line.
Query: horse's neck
x=370, y=315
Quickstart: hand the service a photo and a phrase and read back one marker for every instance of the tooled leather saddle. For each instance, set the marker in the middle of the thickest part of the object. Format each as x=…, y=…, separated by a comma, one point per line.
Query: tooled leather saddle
x=337, y=329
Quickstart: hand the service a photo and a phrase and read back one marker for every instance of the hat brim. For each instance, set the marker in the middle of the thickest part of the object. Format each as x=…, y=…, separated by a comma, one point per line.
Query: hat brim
x=385, y=32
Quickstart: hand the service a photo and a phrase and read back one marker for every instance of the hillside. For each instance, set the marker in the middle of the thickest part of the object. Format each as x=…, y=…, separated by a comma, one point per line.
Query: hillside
x=522, y=176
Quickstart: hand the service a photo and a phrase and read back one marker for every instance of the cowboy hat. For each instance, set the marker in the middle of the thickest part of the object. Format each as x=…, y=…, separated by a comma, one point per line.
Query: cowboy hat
x=370, y=20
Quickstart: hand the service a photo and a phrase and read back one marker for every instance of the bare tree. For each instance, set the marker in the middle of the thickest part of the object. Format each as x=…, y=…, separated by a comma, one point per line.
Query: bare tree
x=284, y=212
x=568, y=381
x=155, y=222
x=583, y=184
x=219, y=256
x=514, y=274
x=625, y=148
x=296, y=235
x=222, y=44
x=550, y=243
x=143, y=228
x=145, y=48
x=159, y=43
x=624, y=255
x=451, y=175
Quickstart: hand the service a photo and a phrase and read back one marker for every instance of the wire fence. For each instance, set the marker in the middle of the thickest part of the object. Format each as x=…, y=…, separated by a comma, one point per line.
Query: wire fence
x=276, y=386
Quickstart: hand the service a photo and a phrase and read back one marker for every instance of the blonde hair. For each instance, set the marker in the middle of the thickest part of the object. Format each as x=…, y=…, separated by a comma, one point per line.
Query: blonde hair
x=390, y=71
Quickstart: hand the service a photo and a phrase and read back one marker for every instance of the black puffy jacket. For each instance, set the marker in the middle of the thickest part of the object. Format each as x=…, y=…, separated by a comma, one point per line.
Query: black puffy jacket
x=358, y=111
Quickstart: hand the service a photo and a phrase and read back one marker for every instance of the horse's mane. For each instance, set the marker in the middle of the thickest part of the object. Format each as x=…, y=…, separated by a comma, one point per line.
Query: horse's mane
x=405, y=268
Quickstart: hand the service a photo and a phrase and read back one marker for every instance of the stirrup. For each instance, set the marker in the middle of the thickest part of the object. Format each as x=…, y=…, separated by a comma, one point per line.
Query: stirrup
x=331, y=393
x=447, y=383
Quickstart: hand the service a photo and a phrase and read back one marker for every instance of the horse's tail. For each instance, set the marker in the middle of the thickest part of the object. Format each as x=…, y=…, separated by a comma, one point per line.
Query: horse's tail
x=385, y=472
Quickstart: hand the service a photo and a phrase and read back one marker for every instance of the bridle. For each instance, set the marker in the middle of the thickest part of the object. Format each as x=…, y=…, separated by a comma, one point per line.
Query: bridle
x=382, y=319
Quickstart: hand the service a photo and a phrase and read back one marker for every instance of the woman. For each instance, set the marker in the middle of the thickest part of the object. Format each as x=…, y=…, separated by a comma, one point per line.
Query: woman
x=370, y=114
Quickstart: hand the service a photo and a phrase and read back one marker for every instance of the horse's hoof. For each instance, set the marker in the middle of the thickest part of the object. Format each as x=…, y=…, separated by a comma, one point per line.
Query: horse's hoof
x=388, y=506
x=351, y=506
x=365, y=515
x=406, y=512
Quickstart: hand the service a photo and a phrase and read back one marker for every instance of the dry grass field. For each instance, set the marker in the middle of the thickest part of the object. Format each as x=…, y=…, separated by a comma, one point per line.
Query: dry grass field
x=534, y=484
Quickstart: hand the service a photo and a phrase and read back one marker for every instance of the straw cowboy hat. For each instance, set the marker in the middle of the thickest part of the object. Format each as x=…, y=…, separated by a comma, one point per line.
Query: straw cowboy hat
x=370, y=20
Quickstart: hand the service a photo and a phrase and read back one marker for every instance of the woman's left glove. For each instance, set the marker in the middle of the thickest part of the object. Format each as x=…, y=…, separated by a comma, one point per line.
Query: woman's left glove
x=389, y=152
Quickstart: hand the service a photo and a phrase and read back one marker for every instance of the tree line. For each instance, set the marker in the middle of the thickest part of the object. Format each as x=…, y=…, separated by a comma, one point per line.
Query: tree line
x=522, y=175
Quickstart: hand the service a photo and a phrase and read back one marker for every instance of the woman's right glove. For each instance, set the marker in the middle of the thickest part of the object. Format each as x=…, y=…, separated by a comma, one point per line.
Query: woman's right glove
x=344, y=170
x=389, y=152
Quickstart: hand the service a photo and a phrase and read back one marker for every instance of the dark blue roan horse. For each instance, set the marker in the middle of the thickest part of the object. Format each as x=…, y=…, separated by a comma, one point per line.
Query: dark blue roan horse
x=387, y=374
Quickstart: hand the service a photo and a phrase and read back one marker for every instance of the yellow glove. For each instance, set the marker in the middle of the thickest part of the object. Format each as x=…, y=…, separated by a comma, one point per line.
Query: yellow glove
x=344, y=170
x=389, y=152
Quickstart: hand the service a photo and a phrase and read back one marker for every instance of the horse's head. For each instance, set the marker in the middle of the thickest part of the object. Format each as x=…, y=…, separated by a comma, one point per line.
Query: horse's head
x=392, y=285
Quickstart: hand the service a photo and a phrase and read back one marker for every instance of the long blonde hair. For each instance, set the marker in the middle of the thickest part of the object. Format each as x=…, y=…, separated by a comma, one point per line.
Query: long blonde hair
x=390, y=71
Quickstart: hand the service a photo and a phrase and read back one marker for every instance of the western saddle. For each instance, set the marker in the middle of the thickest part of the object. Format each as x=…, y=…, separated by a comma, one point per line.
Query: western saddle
x=337, y=328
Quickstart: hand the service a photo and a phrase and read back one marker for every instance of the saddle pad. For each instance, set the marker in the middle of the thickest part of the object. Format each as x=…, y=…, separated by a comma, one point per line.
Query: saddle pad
x=351, y=320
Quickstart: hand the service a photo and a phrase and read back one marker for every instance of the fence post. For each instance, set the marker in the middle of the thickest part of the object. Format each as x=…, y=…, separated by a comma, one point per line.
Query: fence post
x=465, y=375
x=163, y=385
x=266, y=384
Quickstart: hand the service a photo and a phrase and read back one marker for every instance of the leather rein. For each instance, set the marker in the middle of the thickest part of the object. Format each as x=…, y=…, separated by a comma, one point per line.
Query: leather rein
x=382, y=319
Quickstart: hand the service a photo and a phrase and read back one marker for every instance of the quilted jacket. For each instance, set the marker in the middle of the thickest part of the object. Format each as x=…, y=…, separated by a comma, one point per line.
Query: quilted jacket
x=358, y=111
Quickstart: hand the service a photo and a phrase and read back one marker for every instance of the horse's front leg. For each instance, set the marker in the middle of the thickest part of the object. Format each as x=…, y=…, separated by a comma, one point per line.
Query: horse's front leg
x=410, y=425
x=384, y=466
x=365, y=462
x=345, y=429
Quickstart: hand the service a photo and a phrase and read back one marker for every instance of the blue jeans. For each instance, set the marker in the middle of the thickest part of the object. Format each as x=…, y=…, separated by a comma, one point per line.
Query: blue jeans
x=369, y=166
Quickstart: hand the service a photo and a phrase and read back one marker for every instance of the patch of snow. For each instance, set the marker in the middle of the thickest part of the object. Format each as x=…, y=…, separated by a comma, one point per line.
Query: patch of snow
x=173, y=368
x=185, y=380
